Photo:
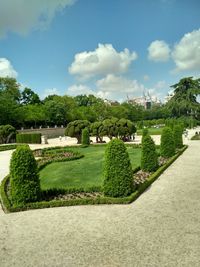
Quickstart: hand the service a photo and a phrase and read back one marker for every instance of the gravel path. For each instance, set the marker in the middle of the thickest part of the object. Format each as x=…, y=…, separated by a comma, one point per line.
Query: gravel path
x=159, y=229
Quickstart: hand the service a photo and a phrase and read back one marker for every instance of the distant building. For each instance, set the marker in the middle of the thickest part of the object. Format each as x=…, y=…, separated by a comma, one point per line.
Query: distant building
x=111, y=102
x=169, y=96
x=147, y=101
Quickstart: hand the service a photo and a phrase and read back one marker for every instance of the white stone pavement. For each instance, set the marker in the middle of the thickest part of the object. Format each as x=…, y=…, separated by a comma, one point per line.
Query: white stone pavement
x=159, y=229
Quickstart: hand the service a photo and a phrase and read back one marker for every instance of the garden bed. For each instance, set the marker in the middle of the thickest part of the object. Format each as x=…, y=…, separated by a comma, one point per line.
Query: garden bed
x=93, y=197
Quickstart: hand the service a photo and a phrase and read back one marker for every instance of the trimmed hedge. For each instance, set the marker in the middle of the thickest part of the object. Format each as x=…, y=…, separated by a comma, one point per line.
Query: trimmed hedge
x=7, y=147
x=149, y=159
x=178, y=139
x=29, y=138
x=117, y=170
x=167, y=146
x=7, y=207
x=85, y=137
x=24, y=178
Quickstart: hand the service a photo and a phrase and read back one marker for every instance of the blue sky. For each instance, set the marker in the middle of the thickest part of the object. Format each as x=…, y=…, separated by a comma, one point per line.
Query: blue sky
x=111, y=48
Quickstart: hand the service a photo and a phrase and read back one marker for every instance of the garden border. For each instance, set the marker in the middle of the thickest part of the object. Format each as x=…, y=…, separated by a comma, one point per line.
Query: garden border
x=85, y=201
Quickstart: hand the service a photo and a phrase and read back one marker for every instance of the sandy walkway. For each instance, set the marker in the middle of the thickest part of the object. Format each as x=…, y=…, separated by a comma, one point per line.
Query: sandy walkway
x=160, y=229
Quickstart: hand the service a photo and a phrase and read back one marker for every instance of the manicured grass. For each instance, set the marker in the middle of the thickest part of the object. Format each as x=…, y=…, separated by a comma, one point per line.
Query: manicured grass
x=152, y=131
x=85, y=172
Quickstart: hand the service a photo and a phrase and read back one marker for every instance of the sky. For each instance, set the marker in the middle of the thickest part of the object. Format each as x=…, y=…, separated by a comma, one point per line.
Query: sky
x=114, y=49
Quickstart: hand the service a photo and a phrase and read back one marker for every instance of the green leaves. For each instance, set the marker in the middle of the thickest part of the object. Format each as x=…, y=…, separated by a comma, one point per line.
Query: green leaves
x=25, y=184
x=117, y=170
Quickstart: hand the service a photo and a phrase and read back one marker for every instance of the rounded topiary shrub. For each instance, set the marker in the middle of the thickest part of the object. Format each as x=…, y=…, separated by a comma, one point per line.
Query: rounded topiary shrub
x=167, y=146
x=85, y=138
x=118, y=178
x=178, y=139
x=24, y=178
x=149, y=159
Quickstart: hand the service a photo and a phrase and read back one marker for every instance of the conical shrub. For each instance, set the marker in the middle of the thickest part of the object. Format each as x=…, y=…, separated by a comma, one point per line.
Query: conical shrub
x=24, y=178
x=145, y=132
x=149, y=159
x=167, y=145
x=178, y=139
x=118, y=178
x=85, y=138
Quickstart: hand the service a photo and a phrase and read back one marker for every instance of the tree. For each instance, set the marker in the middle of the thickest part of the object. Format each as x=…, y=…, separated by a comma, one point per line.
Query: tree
x=96, y=130
x=10, y=87
x=7, y=132
x=29, y=97
x=109, y=128
x=74, y=129
x=118, y=177
x=149, y=158
x=184, y=101
x=9, y=101
x=167, y=146
x=125, y=129
x=24, y=178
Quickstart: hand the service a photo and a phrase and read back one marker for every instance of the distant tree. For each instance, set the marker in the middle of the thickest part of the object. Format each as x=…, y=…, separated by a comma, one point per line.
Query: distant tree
x=74, y=129
x=184, y=102
x=125, y=129
x=96, y=130
x=9, y=101
x=29, y=97
x=7, y=132
x=10, y=87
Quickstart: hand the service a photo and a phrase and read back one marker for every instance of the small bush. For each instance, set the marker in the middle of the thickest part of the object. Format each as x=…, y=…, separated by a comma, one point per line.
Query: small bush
x=167, y=146
x=25, y=184
x=85, y=138
x=117, y=170
x=33, y=138
x=149, y=159
x=178, y=140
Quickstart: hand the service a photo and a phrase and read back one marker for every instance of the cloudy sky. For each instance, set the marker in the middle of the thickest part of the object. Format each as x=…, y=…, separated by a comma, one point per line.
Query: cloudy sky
x=110, y=48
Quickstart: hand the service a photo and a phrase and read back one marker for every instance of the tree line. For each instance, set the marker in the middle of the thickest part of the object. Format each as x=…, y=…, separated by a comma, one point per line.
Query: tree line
x=24, y=108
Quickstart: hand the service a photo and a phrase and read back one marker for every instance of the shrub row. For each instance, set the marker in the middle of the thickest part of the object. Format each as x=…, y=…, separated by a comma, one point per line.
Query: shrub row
x=32, y=138
x=87, y=201
x=7, y=147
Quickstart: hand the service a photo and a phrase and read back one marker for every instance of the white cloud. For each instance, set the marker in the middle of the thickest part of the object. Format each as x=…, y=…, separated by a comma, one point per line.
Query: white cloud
x=80, y=90
x=118, y=88
x=186, y=53
x=102, y=61
x=22, y=16
x=159, y=51
x=6, y=69
x=161, y=85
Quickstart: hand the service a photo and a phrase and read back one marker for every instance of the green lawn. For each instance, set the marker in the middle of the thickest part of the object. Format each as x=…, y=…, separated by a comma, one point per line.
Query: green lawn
x=152, y=131
x=85, y=172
